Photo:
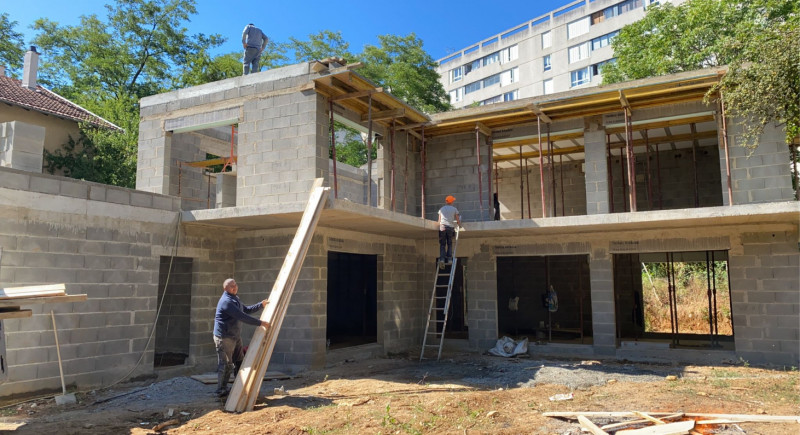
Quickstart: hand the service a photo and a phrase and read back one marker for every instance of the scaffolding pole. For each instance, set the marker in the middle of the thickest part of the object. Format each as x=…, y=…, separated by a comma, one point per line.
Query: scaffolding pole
x=528, y=188
x=647, y=168
x=725, y=145
x=422, y=159
x=521, y=187
x=541, y=159
x=369, y=152
x=480, y=177
x=391, y=148
x=333, y=154
x=631, y=159
x=609, y=173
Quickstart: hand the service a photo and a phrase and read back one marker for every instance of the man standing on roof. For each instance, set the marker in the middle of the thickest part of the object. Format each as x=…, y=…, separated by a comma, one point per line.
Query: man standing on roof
x=448, y=219
x=227, y=332
x=254, y=42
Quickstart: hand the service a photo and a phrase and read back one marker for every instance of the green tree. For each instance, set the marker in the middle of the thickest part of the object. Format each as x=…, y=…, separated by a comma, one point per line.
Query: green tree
x=11, y=45
x=403, y=67
x=107, y=66
x=757, y=39
x=321, y=45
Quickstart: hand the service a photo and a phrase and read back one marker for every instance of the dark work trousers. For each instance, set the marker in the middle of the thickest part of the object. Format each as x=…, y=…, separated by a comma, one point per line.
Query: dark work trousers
x=446, y=243
x=229, y=359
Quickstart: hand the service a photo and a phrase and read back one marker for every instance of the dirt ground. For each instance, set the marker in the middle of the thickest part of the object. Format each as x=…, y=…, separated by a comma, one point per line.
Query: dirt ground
x=462, y=394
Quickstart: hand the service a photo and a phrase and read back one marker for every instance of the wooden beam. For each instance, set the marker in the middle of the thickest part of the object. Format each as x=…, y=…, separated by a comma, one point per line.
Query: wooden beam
x=663, y=124
x=386, y=114
x=622, y=414
x=535, y=140
x=318, y=66
x=415, y=134
x=680, y=427
x=357, y=94
x=591, y=427
x=538, y=111
x=41, y=300
x=668, y=139
x=483, y=129
x=624, y=101
x=532, y=154
x=17, y=314
x=32, y=291
x=247, y=385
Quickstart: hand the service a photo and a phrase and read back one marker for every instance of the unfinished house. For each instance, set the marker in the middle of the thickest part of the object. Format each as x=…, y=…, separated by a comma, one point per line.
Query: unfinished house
x=623, y=222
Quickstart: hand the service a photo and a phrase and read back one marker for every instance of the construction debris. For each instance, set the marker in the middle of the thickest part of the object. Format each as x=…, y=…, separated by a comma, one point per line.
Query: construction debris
x=657, y=424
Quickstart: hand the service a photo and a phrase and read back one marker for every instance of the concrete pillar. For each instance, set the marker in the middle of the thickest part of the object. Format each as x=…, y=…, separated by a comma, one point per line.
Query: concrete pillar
x=596, y=170
x=153, y=166
x=226, y=191
x=481, y=278
x=21, y=146
x=602, y=290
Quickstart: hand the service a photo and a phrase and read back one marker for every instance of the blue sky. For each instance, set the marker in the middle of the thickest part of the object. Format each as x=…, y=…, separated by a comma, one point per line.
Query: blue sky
x=444, y=26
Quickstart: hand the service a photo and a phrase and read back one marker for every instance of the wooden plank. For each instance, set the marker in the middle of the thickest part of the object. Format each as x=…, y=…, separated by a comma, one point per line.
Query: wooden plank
x=623, y=100
x=385, y=114
x=632, y=422
x=486, y=131
x=245, y=389
x=42, y=300
x=357, y=94
x=32, y=291
x=591, y=427
x=622, y=414
x=15, y=314
x=680, y=427
x=538, y=111
x=647, y=417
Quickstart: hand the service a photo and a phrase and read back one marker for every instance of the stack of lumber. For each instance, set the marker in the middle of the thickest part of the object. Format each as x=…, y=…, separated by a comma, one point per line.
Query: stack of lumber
x=12, y=298
x=246, y=387
x=659, y=423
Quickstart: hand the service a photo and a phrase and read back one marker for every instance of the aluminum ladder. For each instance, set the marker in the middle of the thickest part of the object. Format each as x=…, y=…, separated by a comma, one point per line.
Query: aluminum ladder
x=442, y=278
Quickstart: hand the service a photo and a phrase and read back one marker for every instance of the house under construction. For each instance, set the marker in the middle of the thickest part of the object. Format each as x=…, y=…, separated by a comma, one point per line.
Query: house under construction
x=590, y=195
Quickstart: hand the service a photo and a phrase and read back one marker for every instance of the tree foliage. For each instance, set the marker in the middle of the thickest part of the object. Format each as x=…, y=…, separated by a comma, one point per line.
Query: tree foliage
x=757, y=39
x=107, y=65
x=321, y=45
x=402, y=66
x=11, y=45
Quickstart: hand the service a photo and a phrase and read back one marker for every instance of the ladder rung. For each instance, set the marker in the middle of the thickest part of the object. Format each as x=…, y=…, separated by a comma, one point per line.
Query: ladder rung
x=431, y=345
x=441, y=297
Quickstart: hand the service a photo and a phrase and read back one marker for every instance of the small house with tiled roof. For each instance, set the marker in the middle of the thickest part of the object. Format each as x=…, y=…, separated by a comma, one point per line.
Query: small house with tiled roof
x=33, y=118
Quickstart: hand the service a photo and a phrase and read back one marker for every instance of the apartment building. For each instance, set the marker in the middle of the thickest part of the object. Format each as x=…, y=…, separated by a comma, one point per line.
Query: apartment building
x=555, y=52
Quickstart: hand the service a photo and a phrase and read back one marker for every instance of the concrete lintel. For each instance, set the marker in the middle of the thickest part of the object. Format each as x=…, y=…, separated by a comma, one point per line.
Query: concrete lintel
x=200, y=121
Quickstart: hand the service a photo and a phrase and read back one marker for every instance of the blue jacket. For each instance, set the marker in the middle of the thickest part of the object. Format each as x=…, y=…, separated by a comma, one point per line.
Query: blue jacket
x=230, y=312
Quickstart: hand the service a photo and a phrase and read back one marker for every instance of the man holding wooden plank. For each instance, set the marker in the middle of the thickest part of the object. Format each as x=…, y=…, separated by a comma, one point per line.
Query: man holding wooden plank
x=227, y=332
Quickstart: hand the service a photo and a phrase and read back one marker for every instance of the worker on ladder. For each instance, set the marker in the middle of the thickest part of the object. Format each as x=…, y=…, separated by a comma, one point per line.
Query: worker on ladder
x=449, y=220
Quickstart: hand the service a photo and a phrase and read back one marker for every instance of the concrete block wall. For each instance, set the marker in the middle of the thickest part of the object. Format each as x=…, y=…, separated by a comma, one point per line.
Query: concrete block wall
x=406, y=164
x=596, y=178
x=98, y=240
x=351, y=181
x=481, y=283
x=758, y=175
x=451, y=168
x=283, y=146
x=21, y=146
x=765, y=296
x=677, y=179
x=226, y=191
x=601, y=271
x=404, y=296
x=573, y=183
x=198, y=189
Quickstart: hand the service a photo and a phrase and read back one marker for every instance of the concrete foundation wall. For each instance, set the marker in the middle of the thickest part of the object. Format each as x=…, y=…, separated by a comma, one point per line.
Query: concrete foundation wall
x=106, y=242
x=765, y=296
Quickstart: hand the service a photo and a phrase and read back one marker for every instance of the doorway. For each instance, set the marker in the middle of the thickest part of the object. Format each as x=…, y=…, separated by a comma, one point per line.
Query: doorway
x=175, y=300
x=352, y=318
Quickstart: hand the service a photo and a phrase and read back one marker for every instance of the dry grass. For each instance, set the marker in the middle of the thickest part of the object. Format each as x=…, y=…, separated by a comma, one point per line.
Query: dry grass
x=692, y=296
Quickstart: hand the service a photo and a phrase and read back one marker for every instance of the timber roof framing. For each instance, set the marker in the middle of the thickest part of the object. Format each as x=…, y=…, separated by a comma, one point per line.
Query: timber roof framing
x=353, y=92
x=638, y=94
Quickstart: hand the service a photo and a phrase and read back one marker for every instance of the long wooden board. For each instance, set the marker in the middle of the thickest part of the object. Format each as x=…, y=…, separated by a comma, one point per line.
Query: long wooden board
x=245, y=389
x=32, y=291
x=41, y=300
x=680, y=427
x=17, y=314
x=739, y=417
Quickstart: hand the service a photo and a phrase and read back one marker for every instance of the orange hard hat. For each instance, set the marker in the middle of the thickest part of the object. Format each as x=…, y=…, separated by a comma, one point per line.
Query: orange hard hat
x=450, y=199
